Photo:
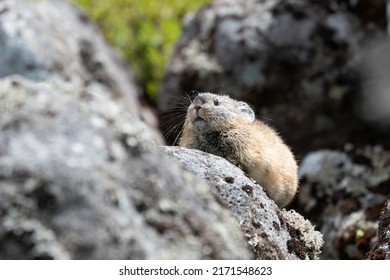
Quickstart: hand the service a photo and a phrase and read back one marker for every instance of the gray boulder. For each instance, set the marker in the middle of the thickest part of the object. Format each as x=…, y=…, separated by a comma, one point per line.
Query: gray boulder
x=298, y=63
x=81, y=178
x=53, y=41
x=342, y=193
x=272, y=233
x=381, y=250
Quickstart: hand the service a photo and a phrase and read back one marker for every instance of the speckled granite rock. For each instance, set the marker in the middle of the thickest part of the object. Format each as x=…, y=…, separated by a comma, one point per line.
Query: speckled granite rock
x=381, y=250
x=52, y=41
x=342, y=193
x=272, y=233
x=81, y=178
x=80, y=173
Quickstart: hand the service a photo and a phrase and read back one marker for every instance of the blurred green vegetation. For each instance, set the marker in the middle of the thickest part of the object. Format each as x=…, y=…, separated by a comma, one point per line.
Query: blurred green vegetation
x=144, y=31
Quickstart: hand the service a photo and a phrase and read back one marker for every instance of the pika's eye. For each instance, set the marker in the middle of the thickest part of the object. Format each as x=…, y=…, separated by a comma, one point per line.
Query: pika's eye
x=216, y=101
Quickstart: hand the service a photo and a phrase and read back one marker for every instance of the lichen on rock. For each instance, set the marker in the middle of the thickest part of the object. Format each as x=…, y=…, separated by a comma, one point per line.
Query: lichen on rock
x=81, y=175
x=343, y=192
x=381, y=250
x=270, y=232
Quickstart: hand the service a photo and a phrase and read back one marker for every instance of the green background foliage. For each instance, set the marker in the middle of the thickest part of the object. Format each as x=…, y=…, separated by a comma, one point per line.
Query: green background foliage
x=144, y=31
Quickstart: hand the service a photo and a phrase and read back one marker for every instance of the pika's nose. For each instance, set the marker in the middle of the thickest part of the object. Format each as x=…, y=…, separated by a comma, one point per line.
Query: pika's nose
x=197, y=104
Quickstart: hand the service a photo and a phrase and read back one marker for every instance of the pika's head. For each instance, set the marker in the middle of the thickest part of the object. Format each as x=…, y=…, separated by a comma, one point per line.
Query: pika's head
x=215, y=112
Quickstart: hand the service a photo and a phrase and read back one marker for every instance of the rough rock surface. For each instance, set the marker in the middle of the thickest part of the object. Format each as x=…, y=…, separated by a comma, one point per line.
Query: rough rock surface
x=81, y=178
x=342, y=193
x=53, y=41
x=296, y=62
x=272, y=233
x=381, y=251
x=317, y=71
x=80, y=174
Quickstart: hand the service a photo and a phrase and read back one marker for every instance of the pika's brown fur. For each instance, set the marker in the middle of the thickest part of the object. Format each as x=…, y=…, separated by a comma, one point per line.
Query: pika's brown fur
x=225, y=127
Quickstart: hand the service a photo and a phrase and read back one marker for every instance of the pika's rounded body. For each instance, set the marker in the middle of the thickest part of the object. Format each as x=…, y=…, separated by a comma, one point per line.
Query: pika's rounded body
x=225, y=127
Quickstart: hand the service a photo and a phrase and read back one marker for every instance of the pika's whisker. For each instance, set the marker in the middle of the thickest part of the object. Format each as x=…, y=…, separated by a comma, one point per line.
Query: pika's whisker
x=229, y=129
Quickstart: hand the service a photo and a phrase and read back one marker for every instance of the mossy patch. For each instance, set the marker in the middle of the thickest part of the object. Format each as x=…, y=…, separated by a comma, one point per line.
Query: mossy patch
x=143, y=31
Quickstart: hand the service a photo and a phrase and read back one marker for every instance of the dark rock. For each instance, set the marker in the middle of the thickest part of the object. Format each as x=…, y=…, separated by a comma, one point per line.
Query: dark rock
x=342, y=193
x=381, y=250
x=298, y=63
x=81, y=178
x=272, y=233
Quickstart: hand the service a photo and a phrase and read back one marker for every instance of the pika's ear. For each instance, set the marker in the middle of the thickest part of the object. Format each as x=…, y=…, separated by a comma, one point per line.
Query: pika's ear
x=246, y=112
x=193, y=94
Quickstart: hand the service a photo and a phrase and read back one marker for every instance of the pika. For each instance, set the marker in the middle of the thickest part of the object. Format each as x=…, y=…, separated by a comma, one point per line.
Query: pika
x=222, y=126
